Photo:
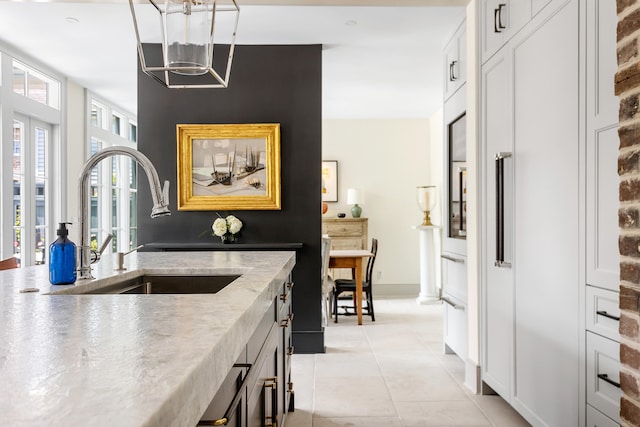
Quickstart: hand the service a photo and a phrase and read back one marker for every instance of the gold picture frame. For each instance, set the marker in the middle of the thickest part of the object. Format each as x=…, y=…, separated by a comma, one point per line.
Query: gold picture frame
x=228, y=167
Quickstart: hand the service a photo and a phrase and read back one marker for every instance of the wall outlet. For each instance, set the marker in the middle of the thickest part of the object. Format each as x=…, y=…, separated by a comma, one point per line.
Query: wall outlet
x=378, y=274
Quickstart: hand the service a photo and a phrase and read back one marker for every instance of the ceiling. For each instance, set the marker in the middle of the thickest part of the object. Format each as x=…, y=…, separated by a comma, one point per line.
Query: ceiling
x=378, y=61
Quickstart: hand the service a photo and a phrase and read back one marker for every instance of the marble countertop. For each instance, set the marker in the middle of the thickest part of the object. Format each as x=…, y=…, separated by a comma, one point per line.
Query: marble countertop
x=128, y=360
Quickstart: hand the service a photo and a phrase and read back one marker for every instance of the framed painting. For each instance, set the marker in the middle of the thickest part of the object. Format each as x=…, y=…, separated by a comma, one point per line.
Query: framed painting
x=329, y=180
x=228, y=167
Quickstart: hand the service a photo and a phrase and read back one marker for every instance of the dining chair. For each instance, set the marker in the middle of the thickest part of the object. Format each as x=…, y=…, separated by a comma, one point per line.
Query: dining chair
x=327, y=281
x=9, y=263
x=349, y=285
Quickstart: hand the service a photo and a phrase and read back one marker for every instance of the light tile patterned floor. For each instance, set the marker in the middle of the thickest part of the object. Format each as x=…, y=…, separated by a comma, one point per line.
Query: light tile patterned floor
x=390, y=373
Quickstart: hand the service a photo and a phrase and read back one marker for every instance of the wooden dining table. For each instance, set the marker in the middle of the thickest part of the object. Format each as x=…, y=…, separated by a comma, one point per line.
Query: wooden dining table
x=351, y=258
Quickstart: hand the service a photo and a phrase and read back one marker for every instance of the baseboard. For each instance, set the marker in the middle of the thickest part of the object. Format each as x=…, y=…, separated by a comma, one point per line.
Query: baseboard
x=308, y=342
x=396, y=290
x=472, y=378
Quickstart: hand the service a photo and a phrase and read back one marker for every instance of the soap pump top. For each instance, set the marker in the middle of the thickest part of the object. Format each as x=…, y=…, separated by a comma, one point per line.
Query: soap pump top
x=62, y=231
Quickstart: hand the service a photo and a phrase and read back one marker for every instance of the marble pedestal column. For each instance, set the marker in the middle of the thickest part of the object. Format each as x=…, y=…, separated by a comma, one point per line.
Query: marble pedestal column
x=428, y=236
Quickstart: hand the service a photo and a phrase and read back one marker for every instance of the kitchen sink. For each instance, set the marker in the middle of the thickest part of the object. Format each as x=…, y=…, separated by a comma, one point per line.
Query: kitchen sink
x=152, y=284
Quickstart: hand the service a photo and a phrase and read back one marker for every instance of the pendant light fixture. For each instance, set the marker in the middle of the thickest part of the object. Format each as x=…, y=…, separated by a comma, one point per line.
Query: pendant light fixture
x=177, y=40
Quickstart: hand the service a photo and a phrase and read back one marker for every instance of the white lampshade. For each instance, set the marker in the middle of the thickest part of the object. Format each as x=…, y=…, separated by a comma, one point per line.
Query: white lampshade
x=355, y=196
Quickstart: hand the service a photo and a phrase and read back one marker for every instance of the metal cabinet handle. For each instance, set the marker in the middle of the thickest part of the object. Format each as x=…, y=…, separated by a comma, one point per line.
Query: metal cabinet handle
x=462, y=171
x=271, y=383
x=605, y=377
x=234, y=403
x=499, y=158
x=452, y=259
x=285, y=295
x=500, y=26
x=610, y=316
x=452, y=71
x=453, y=304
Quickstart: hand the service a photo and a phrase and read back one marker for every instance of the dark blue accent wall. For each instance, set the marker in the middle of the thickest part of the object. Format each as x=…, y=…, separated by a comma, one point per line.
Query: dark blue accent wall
x=268, y=84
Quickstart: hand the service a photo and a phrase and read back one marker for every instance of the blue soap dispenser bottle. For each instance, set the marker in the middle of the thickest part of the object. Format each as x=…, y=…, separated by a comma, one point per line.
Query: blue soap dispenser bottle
x=62, y=258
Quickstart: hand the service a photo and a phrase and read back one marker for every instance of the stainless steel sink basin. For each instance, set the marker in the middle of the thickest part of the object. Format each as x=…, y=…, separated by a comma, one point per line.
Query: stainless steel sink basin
x=150, y=284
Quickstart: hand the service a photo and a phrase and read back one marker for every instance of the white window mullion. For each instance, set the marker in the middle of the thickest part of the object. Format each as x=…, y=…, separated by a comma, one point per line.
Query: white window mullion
x=28, y=200
x=104, y=219
x=123, y=185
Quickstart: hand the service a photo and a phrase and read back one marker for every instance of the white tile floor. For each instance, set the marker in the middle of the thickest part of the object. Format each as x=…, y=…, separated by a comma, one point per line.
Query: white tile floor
x=391, y=372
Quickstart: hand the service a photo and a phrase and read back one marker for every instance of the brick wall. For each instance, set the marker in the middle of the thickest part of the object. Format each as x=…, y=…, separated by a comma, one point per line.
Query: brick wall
x=627, y=87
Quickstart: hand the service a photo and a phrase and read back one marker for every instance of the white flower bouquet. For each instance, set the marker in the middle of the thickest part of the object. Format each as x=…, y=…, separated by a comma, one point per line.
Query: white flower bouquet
x=227, y=228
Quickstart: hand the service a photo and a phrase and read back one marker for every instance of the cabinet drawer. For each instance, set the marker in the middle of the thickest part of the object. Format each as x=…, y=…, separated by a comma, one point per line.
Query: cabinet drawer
x=595, y=418
x=454, y=276
x=455, y=326
x=603, y=372
x=343, y=229
x=602, y=311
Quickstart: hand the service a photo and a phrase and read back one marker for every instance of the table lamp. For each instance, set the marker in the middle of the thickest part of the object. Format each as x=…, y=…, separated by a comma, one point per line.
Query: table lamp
x=426, y=201
x=355, y=196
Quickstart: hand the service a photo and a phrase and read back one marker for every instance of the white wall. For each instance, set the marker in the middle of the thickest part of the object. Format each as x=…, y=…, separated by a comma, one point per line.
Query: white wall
x=388, y=159
x=76, y=147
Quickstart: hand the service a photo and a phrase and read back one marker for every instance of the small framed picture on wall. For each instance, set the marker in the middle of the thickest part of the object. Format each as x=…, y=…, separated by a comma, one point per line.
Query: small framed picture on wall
x=329, y=180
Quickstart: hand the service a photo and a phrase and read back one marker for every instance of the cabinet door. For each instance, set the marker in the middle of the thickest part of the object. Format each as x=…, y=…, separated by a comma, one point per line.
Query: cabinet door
x=501, y=20
x=531, y=285
x=219, y=408
x=455, y=62
x=546, y=211
x=603, y=260
x=597, y=419
x=603, y=375
x=497, y=316
x=538, y=5
x=262, y=401
x=455, y=326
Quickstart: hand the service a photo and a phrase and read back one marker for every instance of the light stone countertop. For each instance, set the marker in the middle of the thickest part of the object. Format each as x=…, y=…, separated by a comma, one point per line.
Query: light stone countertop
x=128, y=360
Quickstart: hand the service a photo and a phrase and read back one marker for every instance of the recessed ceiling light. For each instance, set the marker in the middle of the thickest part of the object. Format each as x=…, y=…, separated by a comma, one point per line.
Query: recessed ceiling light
x=72, y=20
x=351, y=23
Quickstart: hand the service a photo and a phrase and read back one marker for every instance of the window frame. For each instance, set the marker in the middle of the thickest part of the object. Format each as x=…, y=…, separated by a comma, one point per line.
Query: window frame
x=103, y=131
x=15, y=106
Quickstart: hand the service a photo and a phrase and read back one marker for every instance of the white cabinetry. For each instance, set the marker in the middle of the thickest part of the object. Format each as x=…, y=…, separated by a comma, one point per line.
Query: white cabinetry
x=455, y=57
x=530, y=146
x=500, y=20
x=603, y=260
x=454, y=246
x=602, y=255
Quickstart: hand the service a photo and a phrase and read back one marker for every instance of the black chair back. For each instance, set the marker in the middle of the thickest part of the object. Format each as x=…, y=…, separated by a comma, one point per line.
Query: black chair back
x=374, y=250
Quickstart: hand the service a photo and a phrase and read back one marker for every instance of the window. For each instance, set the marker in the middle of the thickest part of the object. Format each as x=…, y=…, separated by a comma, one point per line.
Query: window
x=36, y=86
x=29, y=183
x=31, y=143
x=113, y=181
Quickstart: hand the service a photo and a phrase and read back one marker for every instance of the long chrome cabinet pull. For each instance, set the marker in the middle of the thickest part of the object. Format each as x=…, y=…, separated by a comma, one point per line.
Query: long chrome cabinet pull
x=610, y=316
x=453, y=304
x=452, y=259
x=499, y=158
x=605, y=377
